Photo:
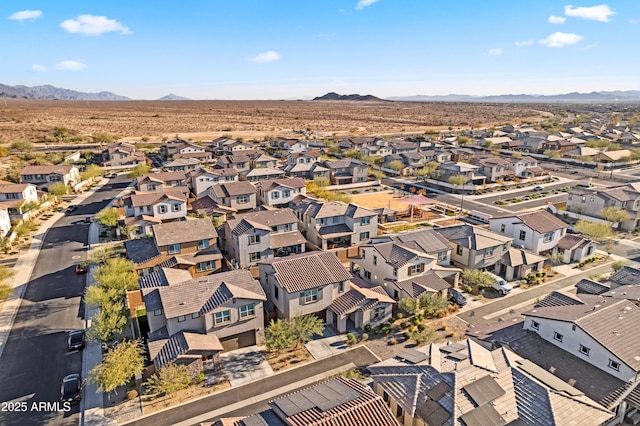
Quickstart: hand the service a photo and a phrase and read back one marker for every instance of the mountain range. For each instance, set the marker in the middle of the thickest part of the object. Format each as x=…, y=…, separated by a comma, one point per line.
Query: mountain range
x=51, y=92
x=333, y=96
x=615, y=96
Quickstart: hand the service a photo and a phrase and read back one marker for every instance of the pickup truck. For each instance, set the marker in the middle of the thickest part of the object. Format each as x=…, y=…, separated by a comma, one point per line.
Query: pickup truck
x=499, y=284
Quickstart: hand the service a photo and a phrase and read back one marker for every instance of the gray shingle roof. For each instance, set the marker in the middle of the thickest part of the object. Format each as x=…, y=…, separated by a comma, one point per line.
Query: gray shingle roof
x=184, y=231
x=308, y=270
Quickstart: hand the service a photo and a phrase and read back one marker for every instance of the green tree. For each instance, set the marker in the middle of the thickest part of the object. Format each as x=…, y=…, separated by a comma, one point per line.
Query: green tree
x=599, y=232
x=170, y=379
x=422, y=337
x=102, y=138
x=410, y=305
x=618, y=264
x=396, y=165
x=58, y=189
x=352, y=153
x=108, y=217
x=614, y=214
x=97, y=296
x=321, y=181
x=119, y=365
x=92, y=171
x=477, y=278
x=377, y=174
x=304, y=327
x=117, y=273
x=278, y=336
x=463, y=140
x=21, y=145
x=108, y=322
x=139, y=170
x=432, y=303
x=551, y=153
x=101, y=254
x=30, y=205
x=457, y=180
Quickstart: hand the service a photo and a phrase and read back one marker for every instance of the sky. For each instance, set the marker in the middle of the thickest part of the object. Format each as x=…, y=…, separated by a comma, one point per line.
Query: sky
x=282, y=49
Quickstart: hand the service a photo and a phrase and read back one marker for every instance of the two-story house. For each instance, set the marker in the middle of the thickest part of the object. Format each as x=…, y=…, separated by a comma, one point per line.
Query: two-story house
x=180, y=146
x=469, y=171
x=166, y=206
x=590, y=201
x=279, y=192
x=240, y=162
x=201, y=179
x=474, y=247
x=334, y=224
x=45, y=176
x=121, y=154
x=538, y=231
x=524, y=167
x=261, y=173
x=494, y=168
x=160, y=181
x=13, y=197
x=192, y=321
x=191, y=244
x=346, y=171
x=303, y=284
x=235, y=195
x=182, y=164
x=253, y=237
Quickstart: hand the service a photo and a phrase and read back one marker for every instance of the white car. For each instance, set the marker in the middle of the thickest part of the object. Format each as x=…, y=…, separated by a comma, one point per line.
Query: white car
x=499, y=284
x=538, y=188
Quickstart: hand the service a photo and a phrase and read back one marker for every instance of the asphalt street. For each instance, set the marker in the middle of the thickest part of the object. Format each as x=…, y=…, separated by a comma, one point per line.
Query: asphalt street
x=36, y=358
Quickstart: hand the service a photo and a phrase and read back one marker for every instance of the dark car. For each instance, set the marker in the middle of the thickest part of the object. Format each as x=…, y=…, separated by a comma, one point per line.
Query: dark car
x=72, y=208
x=70, y=389
x=75, y=340
x=456, y=297
x=88, y=219
x=82, y=268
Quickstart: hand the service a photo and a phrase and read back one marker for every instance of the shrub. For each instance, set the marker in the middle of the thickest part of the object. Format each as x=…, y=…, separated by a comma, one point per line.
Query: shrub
x=393, y=341
x=404, y=325
x=200, y=378
x=412, y=329
x=450, y=334
x=375, y=331
x=351, y=337
x=444, y=327
x=355, y=191
x=422, y=327
x=406, y=335
x=385, y=330
x=399, y=315
x=364, y=337
x=417, y=321
x=132, y=394
x=367, y=328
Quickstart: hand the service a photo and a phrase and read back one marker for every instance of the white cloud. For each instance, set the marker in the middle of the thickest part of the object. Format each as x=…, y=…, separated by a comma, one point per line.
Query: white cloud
x=600, y=13
x=633, y=21
x=495, y=52
x=269, y=56
x=71, y=66
x=364, y=3
x=26, y=14
x=524, y=43
x=93, y=25
x=557, y=19
x=561, y=39
x=38, y=68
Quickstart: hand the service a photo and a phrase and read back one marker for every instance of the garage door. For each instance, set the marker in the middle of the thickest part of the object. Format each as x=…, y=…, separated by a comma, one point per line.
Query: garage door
x=248, y=338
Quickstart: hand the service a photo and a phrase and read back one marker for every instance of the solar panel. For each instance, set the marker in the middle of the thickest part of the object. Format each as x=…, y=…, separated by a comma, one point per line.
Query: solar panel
x=483, y=416
x=254, y=420
x=458, y=356
x=432, y=413
x=413, y=356
x=438, y=391
x=453, y=347
x=484, y=390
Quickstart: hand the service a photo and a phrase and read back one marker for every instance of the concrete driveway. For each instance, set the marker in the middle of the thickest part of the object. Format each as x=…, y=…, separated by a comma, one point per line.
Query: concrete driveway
x=245, y=365
x=329, y=344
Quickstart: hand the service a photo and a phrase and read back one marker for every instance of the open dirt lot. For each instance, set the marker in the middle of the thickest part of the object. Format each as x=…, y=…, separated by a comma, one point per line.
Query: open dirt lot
x=33, y=120
x=376, y=200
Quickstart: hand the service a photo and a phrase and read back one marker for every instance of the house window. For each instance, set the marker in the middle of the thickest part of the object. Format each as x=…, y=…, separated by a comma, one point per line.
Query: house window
x=203, y=244
x=162, y=208
x=614, y=364
x=173, y=248
x=364, y=235
x=584, y=350
x=488, y=252
x=341, y=287
x=336, y=219
x=416, y=269
x=310, y=296
x=254, y=257
x=276, y=292
x=523, y=235
x=196, y=315
x=254, y=239
x=288, y=227
x=274, y=228
x=205, y=266
x=535, y=325
x=378, y=313
x=367, y=274
x=375, y=259
x=286, y=193
x=247, y=311
x=548, y=237
x=459, y=250
x=395, y=272
x=182, y=318
x=365, y=220
x=275, y=195
x=442, y=256
x=222, y=317
x=242, y=199
x=557, y=336
x=177, y=207
x=157, y=312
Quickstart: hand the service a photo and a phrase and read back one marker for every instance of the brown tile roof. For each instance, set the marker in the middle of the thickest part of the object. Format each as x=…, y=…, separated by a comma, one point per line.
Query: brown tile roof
x=162, y=177
x=270, y=184
x=473, y=237
x=8, y=187
x=426, y=283
x=540, y=221
x=207, y=205
x=165, y=351
x=46, y=170
x=139, y=199
x=232, y=189
x=359, y=299
x=184, y=231
x=310, y=270
x=286, y=239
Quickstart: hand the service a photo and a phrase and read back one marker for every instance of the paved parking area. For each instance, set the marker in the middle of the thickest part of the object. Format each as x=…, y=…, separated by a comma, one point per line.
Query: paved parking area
x=329, y=344
x=245, y=365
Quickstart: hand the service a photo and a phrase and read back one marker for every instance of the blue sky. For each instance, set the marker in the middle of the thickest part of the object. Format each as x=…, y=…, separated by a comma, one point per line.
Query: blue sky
x=280, y=49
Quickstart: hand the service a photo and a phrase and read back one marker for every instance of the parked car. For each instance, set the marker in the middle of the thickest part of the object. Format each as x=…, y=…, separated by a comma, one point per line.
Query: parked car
x=456, y=297
x=72, y=208
x=82, y=268
x=538, y=188
x=75, y=340
x=88, y=219
x=499, y=284
x=70, y=389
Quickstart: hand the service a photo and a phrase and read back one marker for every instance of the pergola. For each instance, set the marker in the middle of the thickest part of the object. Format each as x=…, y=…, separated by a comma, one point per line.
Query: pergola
x=417, y=200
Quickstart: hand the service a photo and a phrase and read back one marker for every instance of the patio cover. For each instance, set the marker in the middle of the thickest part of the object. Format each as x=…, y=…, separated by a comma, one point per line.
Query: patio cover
x=418, y=200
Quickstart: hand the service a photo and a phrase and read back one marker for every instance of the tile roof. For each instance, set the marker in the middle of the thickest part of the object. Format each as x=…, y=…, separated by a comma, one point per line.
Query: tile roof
x=426, y=240
x=333, y=231
x=206, y=204
x=271, y=184
x=394, y=254
x=588, y=286
x=306, y=271
x=628, y=275
x=628, y=292
x=572, y=241
x=359, y=299
x=232, y=189
x=165, y=351
x=161, y=177
x=473, y=237
x=426, y=283
x=46, y=170
x=9, y=187
x=141, y=250
x=163, y=277
x=286, y=239
x=517, y=256
x=184, y=231
x=139, y=199
x=267, y=218
x=540, y=221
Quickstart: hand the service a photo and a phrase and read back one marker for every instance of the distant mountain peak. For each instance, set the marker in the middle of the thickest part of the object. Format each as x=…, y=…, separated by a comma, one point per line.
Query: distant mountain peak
x=50, y=92
x=333, y=96
x=595, y=96
x=172, y=97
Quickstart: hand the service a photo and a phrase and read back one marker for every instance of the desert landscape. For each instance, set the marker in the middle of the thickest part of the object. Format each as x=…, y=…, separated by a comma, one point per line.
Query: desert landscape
x=34, y=120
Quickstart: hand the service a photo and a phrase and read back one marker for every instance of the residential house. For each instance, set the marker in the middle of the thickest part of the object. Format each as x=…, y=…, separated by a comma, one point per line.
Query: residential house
x=206, y=205
x=376, y=150
x=338, y=401
x=261, y=173
x=192, y=321
x=201, y=156
x=517, y=263
x=559, y=145
x=466, y=383
x=438, y=155
x=240, y=162
x=524, y=167
x=402, y=146
x=494, y=168
x=182, y=164
x=357, y=143
x=280, y=192
x=582, y=153
x=166, y=206
x=201, y=179
x=45, y=176
x=461, y=169
x=334, y=224
x=474, y=247
x=121, y=154
x=264, y=161
x=228, y=146
x=575, y=248
x=13, y=197
x=463, y=155
x=532, y=144
x=590, y=201
x=538, y=231
x=161, y=181
x=346, y=171
x=305, y=165
x=190, y=244
x=5, y=221
x=261, y=236
x=236, y=195
x=179, y=146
